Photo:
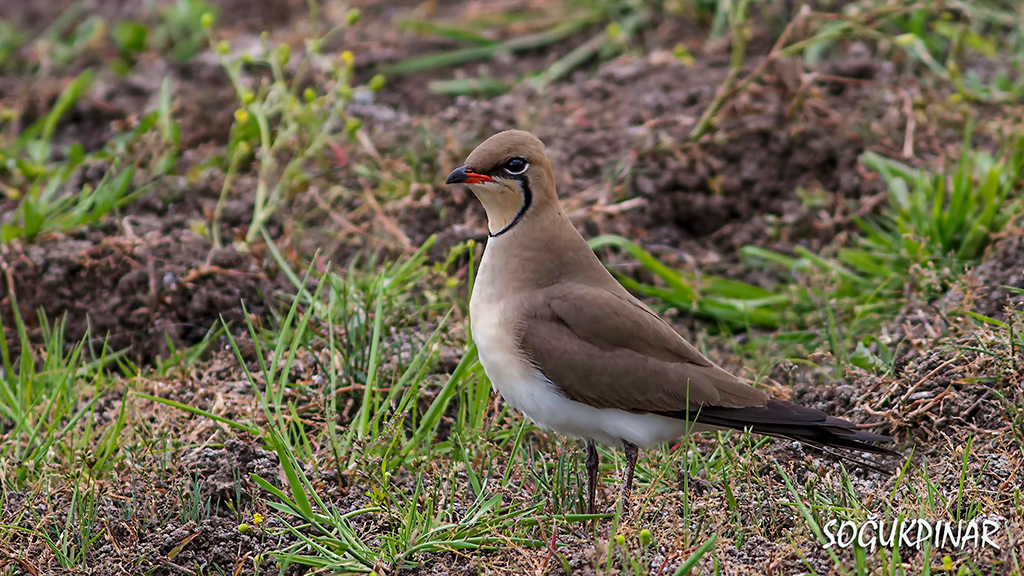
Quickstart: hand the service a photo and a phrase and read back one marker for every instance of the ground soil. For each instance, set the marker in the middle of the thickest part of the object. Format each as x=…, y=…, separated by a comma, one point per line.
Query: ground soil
x=998, y=281
x=608, y=145
x=137, y=294
x=160, y=526
x=607, y=132
x=781, y=170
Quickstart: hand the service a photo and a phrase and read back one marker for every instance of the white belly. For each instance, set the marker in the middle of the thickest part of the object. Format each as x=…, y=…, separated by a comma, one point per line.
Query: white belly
x=524, y=388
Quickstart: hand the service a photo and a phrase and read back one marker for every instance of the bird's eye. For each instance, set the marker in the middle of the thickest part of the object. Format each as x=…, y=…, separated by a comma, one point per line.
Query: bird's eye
x=516, y=166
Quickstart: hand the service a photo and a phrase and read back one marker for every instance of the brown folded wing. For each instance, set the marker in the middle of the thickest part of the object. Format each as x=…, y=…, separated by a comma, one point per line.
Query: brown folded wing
x=610, y=351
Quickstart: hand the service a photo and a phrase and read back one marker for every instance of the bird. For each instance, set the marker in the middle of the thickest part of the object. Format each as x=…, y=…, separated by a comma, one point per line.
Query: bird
x=563, y=342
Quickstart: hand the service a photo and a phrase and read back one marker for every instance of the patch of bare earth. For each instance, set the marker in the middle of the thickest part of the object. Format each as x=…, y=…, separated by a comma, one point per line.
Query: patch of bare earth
x=781, y=170
x=954, y=397
x=147, y=276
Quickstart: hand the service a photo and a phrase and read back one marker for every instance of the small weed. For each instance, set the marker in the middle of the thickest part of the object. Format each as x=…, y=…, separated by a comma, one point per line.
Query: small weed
x=130, y=38
x=941, y=220
x=11, y=40
x=619, y=22
x=281, y=128
x=44, y=178
x=40, y=399
x=180, y=32
x=934, y=226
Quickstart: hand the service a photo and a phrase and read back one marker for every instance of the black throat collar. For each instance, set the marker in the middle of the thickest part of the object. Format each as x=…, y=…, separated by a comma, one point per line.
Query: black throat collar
x=524, y=185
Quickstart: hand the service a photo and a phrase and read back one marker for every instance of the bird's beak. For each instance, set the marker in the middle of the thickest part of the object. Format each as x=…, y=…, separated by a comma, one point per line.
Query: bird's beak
x=464, y=175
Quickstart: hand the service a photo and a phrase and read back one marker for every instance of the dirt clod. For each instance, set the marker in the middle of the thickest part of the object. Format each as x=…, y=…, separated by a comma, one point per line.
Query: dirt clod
x=133, y=292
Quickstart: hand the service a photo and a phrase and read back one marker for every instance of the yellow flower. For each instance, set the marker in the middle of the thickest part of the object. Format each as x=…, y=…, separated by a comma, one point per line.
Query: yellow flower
x=257, y=518
x=241, y=116
x=614, y=31
x=348, y=58
x=682, y=53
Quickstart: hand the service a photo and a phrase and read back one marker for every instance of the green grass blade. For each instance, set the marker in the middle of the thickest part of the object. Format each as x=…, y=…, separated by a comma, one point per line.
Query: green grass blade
x=554, y=34
x=199, y=412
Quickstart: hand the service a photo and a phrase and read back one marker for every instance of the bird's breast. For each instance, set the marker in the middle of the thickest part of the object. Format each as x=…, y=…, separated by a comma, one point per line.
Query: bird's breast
x=494, y=335
x=512, y=374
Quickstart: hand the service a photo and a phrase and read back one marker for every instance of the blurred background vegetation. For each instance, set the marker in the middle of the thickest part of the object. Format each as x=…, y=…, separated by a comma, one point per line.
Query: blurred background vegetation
x=234, y=296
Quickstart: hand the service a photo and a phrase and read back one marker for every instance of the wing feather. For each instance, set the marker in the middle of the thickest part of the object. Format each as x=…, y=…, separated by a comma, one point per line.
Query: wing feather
x=610, y=351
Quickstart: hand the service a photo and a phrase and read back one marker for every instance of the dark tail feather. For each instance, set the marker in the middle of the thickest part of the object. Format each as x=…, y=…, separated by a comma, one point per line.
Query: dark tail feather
x=807, y=425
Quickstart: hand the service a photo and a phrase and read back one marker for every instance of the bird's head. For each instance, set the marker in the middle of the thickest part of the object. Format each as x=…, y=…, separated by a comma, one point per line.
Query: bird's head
x=510, y=174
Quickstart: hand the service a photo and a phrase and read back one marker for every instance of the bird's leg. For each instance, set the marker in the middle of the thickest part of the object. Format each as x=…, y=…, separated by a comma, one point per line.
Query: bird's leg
x=592, y=463
x=627, y=484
